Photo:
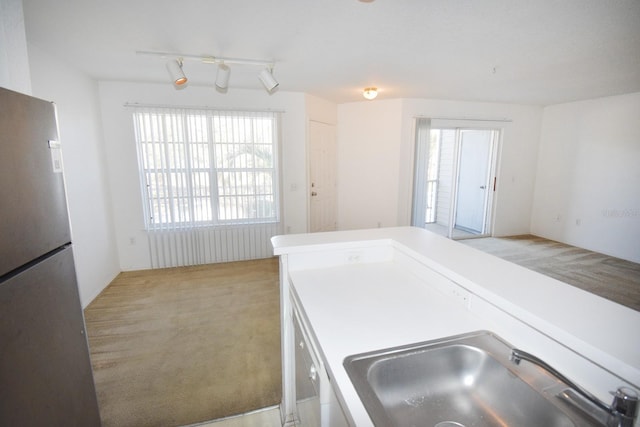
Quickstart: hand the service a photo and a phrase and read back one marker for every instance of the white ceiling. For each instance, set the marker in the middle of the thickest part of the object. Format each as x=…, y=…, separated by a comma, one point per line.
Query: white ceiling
x=519, y=51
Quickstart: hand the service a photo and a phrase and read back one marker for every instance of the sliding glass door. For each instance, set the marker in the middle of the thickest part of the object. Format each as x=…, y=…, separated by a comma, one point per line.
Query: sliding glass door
x=454, y=179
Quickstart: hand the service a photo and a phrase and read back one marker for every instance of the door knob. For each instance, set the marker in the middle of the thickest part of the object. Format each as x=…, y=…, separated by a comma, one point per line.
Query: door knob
x=483, y=187
x=313, y=193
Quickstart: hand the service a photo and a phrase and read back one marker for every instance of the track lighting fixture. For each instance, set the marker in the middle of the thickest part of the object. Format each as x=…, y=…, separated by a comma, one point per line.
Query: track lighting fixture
x=266, y=77
x=222, y=78
x=174, y=67
x=370, y=92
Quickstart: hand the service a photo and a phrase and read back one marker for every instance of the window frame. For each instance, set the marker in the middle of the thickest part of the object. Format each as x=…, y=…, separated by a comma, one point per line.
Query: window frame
x=185, y=188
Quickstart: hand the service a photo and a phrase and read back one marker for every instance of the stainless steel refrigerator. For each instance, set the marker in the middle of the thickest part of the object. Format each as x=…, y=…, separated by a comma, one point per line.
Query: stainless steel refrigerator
x=45, y=370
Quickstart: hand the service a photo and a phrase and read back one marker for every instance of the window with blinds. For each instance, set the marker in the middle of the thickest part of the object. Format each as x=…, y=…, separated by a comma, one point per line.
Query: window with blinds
x=207, y=167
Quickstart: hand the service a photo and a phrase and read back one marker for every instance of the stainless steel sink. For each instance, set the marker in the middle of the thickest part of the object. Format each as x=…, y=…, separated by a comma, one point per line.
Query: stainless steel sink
x=465, y=380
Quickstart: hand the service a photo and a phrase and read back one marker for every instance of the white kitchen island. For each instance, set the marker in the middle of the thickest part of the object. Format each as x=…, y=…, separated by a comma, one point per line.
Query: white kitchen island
x=364, y=290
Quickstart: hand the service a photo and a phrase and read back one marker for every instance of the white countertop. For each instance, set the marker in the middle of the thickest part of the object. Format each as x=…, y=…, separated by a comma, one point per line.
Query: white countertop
x=353, y=306
x=382, y=307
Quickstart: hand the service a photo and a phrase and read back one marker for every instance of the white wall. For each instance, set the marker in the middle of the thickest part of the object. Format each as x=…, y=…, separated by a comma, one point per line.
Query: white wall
x=369, y=139
x=375, y=151
x=76, y=99
x=321, y=110
x=121, y=155
x=14, y=62
x=588, y=182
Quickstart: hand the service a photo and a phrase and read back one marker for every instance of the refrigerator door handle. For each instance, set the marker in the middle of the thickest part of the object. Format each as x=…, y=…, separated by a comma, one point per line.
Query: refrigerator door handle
x=56, y=155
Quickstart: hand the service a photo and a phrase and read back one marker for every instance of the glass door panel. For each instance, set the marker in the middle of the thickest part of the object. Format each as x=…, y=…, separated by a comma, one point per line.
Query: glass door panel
x=473, y=180
x=454, y=169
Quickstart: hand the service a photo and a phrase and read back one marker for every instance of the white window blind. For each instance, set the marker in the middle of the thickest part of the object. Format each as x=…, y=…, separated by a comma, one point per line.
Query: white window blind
x=422, y=181
x=202, y=167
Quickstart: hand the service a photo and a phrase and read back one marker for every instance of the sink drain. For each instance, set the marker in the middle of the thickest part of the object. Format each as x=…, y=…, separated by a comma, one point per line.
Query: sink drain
x=449, y=424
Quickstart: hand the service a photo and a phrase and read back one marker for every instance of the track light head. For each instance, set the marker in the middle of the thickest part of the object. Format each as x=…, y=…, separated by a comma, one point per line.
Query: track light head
x=222, y=78
x=266, y=77
x=174, y=66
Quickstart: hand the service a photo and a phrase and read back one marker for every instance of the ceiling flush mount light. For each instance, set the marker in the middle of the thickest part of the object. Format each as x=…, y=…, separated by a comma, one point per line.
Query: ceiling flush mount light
x=370, y=92
x=174, y=67
x=266, y=77
x=222, y=78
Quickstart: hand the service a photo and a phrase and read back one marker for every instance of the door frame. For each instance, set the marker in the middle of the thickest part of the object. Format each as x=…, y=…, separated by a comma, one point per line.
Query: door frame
x=464, y=124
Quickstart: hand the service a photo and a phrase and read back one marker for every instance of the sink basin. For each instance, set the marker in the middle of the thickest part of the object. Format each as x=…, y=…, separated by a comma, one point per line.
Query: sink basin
x=461, y=381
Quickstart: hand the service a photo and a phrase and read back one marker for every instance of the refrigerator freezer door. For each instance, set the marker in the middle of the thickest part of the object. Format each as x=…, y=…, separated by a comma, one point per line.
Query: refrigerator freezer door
x=33, y=214
x=45, y=370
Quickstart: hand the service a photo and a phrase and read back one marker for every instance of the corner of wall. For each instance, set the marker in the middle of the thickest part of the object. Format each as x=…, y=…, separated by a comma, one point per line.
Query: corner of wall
x=79, y=121
x=321, y=110
x=587, y=175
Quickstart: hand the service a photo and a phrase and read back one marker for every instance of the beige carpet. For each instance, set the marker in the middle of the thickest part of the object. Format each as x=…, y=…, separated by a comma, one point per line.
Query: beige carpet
x=612, y=278
x=179, y=346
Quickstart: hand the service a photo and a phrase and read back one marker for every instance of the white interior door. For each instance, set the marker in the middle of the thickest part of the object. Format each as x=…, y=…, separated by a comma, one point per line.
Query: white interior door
x=322, y=177
x=473, y=180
